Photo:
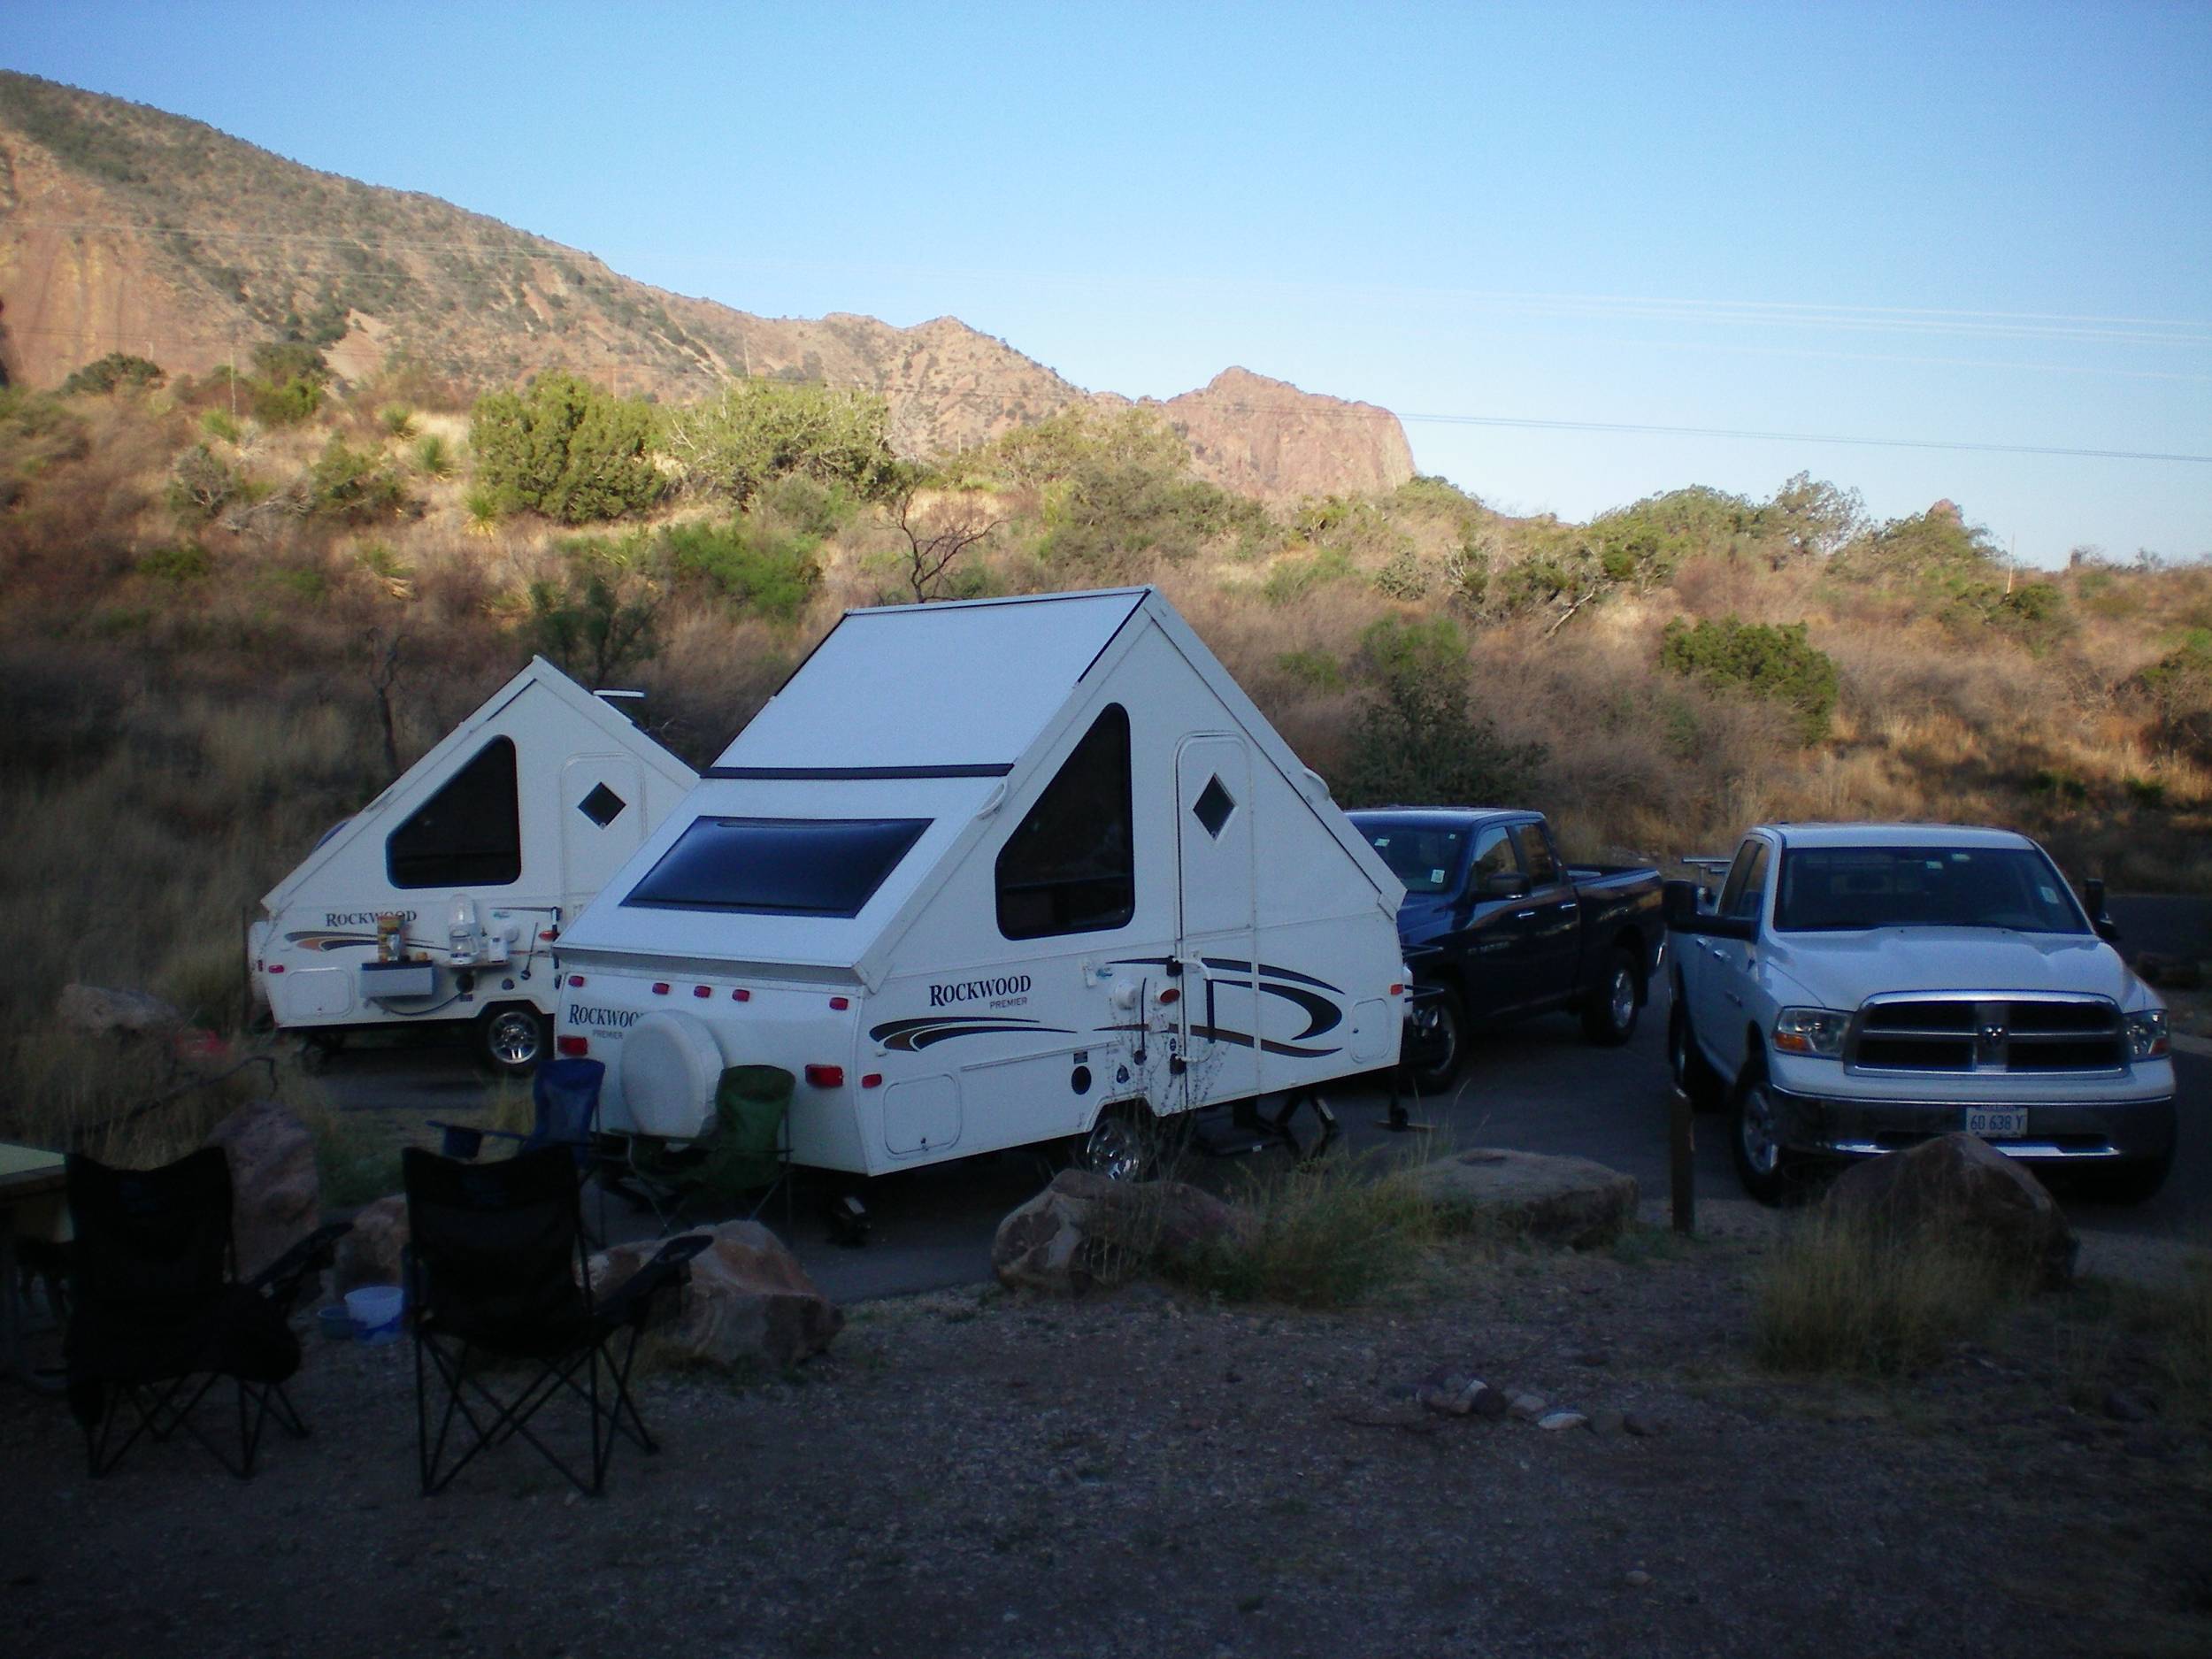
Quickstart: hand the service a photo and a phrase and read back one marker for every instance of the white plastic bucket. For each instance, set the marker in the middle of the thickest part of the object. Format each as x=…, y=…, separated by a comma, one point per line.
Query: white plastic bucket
x=376, y=1310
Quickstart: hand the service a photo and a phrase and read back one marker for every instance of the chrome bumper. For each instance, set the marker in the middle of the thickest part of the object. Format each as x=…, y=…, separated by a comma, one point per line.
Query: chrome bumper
x=2058, y=1131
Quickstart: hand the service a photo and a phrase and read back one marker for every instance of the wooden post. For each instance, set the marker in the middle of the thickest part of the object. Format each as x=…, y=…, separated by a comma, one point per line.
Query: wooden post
x=1681, y=1170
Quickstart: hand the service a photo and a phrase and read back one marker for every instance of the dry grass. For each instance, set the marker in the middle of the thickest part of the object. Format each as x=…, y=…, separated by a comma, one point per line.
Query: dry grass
x=1837, y=1296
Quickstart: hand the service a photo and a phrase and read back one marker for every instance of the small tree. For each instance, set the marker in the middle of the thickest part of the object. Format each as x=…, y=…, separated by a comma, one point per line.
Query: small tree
x=563, y=448
x=938, y=534
x=1417, y=741
x=1762, y=659
x=119, y=371
x=756, y=431
x=602, y=615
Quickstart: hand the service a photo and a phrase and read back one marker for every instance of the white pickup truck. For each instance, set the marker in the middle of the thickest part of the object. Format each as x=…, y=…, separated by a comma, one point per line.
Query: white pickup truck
x=1858, y=987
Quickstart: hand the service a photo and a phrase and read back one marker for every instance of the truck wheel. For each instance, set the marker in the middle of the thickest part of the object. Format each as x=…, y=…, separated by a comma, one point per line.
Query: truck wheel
x=1767, y=1170
x=1694, y=1076
x=1439, y=1025
x=1608, y=1018
x=511, y=1038
x=2128, y=1183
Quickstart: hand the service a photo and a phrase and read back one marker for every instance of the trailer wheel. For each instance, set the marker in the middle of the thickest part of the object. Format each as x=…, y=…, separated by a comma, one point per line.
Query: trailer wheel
x=511, y=1038
x=316, y=1050
x=1126, y=1144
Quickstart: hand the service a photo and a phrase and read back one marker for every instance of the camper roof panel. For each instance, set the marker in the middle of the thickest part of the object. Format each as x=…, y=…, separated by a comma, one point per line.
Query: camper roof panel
x=937, y=686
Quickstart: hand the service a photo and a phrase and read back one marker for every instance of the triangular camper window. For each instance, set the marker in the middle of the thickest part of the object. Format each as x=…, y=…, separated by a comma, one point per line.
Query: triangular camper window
x=468, y=834
x=1070, y=866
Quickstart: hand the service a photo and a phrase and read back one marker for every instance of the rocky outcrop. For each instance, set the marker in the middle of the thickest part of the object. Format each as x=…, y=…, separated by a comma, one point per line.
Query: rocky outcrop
x=103, y=1009
x=1565, y=1200
x=1960, y=1192
x=373, y=1252
x=749, y=1301
x=276, y=1195
x=1084, y=1231
x=1266, y=438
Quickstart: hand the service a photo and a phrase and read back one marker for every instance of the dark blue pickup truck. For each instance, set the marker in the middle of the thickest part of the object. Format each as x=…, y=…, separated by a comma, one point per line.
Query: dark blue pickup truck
x=1496, y=925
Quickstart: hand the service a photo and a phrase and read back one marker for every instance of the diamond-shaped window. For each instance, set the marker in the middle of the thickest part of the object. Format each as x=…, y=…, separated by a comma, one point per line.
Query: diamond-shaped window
x=602, y=806
x=1213, y=806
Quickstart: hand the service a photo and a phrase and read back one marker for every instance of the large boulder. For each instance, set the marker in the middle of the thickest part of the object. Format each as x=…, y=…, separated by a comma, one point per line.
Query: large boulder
x=276, y=1195
x=1563, y=1201
x=749, y=1301
x=1960, y=1192
x=1084, y=1230
x=101, y=1009
x=373, y=1252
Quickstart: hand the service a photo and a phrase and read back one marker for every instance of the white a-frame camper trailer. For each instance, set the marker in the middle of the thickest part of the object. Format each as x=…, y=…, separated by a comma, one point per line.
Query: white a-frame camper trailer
x=439, y=901
x=987, y=874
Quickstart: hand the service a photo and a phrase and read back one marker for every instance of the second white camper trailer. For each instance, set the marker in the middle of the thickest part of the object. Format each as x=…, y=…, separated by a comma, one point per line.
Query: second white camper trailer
x=442, y=899
x=987, y=874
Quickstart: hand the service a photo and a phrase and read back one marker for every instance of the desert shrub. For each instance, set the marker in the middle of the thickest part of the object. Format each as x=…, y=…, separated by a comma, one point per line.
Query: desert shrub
x=353, y=485
x=1076, y=440
x=2178, y=688
x=119, y=371
x=601, y=615
x=2144, y=792
x=179, y=564
x=433, y=456
x=769, y=571
x=309, y=584
x=1326, y=1234
x=219, y=423
x=1415, y=740
x=1313, y=668
x=1762, y=659
x=1839, y=1294
x=1293, y=577
x=565, y=448
x=201, y=485
x=397, y=421
x=817, y=507
x=1937, y=542
x=1403, y=577
x=1105, y=522
x=756, y=431
x=286, y=403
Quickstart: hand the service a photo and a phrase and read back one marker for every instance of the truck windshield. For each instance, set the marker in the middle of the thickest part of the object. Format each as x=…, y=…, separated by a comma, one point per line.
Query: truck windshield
x=1832, y=889
x=1424, y=859
x=778, y=866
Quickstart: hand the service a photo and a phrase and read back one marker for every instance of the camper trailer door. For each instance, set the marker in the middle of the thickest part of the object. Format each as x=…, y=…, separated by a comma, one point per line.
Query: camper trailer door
x=1220, y=998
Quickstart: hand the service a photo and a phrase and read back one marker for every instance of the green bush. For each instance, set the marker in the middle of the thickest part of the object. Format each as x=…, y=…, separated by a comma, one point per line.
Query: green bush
x=285, y=403
x=118, y=371
x=756, y=432
x=1314, y=668
x=1417, y=741
x=185, y=562
x=601, y=616
x=434, y=456
x=770, y=573
x=352, y=485
x=397, y=421
x=1293, y=578
x=201, y=485
x=1762, y=659
x=565, y=449
x=219, y=423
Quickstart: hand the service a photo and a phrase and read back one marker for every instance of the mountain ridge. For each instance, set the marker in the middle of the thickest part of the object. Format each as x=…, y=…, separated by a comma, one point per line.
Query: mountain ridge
x=128, y=229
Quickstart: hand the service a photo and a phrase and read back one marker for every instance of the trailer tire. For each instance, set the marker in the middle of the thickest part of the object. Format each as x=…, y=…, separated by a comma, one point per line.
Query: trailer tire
x=512, y=1038
x=1609, y=1018
x=1128, y=1142
x=318, y=1049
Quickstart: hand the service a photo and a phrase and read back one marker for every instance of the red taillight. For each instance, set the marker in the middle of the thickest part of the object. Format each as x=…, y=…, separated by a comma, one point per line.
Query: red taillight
x=660, y=987
x=1168, y=995
x=873, y=1079
x=703, y=990
x=840, y=1003
x=573, y=1047
x=1397, y=990
x=741, y=995
x=825, y=1076
x=276, y=967
x=549, y=934
x=575, y=982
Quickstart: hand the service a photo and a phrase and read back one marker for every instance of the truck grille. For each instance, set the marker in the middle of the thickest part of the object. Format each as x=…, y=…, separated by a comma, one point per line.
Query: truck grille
x=2038, y=1034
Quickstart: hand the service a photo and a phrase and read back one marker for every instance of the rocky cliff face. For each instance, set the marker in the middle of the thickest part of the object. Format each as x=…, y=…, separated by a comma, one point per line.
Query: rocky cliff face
x=126, y=229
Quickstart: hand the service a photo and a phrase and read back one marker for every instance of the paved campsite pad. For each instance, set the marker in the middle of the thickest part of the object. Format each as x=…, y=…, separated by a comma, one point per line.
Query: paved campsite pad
x=1143, y=1474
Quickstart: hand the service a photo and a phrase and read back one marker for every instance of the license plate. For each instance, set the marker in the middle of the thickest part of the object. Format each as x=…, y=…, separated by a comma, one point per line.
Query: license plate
x=1997, y=1122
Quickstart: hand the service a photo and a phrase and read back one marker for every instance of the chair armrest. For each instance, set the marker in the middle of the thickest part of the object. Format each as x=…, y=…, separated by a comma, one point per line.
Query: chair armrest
x=664, y=1272
x=465, y=1140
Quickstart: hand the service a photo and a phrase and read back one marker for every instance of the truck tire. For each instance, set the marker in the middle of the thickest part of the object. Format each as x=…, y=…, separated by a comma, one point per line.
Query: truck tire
x=1609, y=1017
x=1766, y=1169
x=2131, y=1182
x=511, y=1038
x=1447, y=1051
x=1694, y=1075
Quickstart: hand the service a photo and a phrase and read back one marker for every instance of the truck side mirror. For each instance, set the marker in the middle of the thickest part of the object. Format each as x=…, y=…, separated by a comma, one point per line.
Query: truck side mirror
x=2092, y=899
x=1504, y=883
x=1677, y=900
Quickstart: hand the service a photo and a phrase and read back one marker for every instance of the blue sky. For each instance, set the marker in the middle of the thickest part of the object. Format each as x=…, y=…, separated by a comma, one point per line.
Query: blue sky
x=1982, y=225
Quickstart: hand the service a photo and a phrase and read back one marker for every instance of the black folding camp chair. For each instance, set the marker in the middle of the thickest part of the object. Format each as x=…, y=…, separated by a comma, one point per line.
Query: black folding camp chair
x=565, y=1100
x=159, y=1317
x=498, y=1271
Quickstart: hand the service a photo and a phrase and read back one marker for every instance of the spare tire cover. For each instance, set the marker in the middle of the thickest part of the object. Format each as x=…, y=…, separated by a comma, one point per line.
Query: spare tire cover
x=670, y=1065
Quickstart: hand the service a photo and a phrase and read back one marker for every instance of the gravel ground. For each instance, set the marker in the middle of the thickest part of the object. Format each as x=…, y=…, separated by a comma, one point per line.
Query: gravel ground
x=1144, y=1473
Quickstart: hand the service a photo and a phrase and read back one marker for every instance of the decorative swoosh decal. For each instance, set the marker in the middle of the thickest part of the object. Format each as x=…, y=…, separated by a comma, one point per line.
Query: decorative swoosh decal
x=912, y=1035
x=330, y=942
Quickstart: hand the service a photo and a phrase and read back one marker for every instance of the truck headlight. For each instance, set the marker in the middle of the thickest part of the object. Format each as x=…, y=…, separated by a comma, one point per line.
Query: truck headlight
x=2146, y=1034
x=1815, y=1031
